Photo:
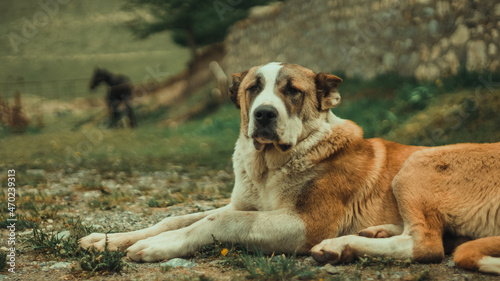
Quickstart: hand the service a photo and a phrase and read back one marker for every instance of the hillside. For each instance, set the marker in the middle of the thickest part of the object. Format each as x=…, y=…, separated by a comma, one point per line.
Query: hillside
x=77, y=37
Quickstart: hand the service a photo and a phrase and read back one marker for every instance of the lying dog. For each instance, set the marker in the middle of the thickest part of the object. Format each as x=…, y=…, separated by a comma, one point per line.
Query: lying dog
x=302, y=175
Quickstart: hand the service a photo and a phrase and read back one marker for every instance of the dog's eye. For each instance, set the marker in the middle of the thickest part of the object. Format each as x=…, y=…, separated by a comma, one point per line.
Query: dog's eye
x=254, y=88
x=293, y=91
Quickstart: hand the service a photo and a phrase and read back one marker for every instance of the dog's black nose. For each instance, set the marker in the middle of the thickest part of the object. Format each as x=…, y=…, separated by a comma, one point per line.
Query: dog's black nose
x=265, y=114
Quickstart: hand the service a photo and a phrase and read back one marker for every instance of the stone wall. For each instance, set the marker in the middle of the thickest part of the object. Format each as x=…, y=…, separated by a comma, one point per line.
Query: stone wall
x=424, y=38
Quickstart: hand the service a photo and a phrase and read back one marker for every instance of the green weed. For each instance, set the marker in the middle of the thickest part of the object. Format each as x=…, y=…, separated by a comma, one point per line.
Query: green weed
x=425, y=276
x=166, y=199
x=280, y=267
x=60, y=245
x=65, y=245
x=257, y=265
x=3, y=260
x=92, y=185
x=230, y=253
x=22, y=223
x=107, y=261
x=110, y=201
x=381, y=262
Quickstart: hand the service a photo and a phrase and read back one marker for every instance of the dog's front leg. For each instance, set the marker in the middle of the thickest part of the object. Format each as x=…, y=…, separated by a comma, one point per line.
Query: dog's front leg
x=121, y=241
x=274, y=231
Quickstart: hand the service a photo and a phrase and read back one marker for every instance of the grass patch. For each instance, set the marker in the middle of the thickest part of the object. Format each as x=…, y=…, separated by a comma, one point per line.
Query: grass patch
x=230, y=253
x=273, y=267
x=380, y=263
x=64, y=245
x=207, y=142
x=105, y=261
x=424, y=276
x=23, y=222
x=257, y=265
x=110, y=201
x=61, y=244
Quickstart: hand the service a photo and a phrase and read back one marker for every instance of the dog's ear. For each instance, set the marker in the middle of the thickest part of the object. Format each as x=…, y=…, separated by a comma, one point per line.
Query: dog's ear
x=235, y=85
x=326, y=90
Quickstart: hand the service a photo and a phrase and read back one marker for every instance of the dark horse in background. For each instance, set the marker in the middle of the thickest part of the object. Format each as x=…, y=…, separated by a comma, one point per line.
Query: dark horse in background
x=119, y=91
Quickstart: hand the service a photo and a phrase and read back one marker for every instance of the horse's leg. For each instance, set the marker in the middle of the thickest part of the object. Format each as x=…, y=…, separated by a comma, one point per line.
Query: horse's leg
x=130, y=112
x=115, y=114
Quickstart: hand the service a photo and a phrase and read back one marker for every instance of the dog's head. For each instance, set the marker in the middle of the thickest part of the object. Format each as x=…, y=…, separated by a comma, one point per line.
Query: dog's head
x=282, y=103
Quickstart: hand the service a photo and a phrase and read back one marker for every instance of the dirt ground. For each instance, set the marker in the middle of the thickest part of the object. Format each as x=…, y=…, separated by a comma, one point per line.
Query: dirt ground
x=121, y=202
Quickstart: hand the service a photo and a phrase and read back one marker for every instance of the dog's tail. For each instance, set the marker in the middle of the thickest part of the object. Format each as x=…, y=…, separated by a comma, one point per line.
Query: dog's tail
x=481, y=254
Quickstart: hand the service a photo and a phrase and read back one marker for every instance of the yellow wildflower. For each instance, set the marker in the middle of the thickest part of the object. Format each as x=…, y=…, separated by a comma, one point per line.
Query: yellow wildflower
x=224, y=251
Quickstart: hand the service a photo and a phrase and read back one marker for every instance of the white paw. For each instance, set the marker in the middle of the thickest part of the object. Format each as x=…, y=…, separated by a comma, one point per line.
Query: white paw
x=161, y=247
x=333, y=251
x=116, y=241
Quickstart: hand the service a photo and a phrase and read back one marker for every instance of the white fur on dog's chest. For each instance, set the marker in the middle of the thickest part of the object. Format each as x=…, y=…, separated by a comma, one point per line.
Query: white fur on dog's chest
x=270, y=183
x=267, y=195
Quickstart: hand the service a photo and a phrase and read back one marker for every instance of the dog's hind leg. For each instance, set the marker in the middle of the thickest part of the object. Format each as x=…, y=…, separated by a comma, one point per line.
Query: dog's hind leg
x=421, y=240
x=418, y=243
x=382, y=231
x=481, y=254
x=346, y=248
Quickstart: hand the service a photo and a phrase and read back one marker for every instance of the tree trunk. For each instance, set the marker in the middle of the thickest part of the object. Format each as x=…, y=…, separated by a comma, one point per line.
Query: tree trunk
x=192, y=46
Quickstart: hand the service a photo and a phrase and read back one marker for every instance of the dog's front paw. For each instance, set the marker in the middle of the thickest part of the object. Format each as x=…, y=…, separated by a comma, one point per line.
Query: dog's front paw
x=95, y=240
x=115, y=242
x=161, y=247
x=333, y=251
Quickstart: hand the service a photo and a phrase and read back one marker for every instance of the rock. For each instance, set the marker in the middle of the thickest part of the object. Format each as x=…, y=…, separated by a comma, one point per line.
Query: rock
x=492, y=49
x=380, y=275
x=428, y=11
x=93, y=194
x=433, y=27
x=389, y=60
x=35, y=172
x=407, y=43
x=310, y=261
x=476, y=55
x=177, y=262
x=444, y=43
x=427, y=72
x=63, y=234
x=60, y=265
x=435, y=52
x=450, y=62
x=497, y=9
x=424, y=53
x=460, y=36
x=47, y=263
x=494, y=34
x=332, y=269
x=442, y=8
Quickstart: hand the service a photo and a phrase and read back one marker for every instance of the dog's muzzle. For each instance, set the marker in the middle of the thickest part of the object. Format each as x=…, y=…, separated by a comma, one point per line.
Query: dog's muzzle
x=266, y=122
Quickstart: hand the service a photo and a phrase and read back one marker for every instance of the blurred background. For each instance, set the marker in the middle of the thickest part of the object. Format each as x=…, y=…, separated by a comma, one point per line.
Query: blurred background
x=422, y=72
